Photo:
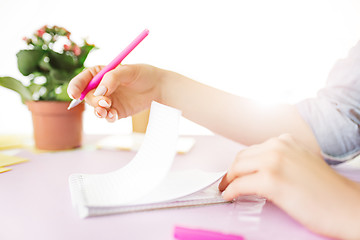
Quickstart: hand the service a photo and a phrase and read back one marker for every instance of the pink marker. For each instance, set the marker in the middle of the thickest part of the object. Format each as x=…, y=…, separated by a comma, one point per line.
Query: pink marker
x=114, y=63
x=182, y=233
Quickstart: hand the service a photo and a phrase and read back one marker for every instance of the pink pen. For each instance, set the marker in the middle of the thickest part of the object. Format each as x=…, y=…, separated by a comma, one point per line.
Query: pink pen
x=182, y=233
x=114, y=63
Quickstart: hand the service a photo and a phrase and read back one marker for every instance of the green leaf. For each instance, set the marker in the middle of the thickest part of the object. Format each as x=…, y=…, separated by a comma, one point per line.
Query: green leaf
x=33, y=88
x=62, y=61
x=60, y=75
x=77, y=71
x=85, y=50
x=44, y=66
x=63, y=96
x=28, y=60
x=17, y=86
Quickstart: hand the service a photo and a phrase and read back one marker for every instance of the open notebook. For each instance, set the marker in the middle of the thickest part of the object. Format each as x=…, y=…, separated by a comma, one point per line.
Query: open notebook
x=146, y=182
x=165, y=196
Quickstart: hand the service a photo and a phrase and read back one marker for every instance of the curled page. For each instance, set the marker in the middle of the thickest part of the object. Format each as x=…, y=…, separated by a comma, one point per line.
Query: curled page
x=143, y=174
x=179, y=184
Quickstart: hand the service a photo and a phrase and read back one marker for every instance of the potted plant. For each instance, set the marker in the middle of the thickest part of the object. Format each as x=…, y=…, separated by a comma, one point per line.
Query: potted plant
x=49, y=62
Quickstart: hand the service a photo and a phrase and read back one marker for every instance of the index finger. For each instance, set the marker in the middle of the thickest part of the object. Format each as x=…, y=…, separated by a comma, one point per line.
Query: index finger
x=80, y=81
x=246, y=162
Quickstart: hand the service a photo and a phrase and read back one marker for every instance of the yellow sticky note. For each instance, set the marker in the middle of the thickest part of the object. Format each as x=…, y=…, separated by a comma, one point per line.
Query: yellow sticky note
x=4, y=169
x=11, y=141
x=6, y=160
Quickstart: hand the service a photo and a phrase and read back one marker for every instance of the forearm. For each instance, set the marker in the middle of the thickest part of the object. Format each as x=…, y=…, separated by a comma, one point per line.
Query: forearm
x=234, y=117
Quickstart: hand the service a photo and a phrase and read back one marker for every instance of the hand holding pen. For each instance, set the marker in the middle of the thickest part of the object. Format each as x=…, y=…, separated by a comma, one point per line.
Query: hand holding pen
x=95, y=81
x=121, y=91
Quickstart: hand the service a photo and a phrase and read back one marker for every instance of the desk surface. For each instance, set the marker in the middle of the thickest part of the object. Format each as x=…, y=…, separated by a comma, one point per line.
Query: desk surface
x=35, y=200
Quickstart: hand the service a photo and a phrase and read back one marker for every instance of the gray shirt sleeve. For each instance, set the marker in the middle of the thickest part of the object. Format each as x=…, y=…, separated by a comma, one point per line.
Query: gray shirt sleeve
x=334, y=115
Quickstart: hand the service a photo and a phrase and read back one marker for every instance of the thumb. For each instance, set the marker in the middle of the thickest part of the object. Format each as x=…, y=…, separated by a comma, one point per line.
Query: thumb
x=247, y=185
x=80, y=81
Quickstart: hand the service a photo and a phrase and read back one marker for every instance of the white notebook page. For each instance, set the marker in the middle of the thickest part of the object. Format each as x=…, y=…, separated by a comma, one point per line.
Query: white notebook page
x=148, y=168
x=146, y=179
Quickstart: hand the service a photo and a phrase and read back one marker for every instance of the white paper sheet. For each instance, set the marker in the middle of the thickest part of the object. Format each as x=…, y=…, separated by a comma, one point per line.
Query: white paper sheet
x=179, y=184
x=148, y=168
x=210, y=195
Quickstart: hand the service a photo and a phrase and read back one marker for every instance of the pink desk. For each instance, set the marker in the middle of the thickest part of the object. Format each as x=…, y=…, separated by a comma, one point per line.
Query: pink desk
x=35, y=200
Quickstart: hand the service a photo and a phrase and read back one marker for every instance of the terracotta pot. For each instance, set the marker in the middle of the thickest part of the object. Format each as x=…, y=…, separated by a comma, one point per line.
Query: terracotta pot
x=140, y=121
x=55, y=127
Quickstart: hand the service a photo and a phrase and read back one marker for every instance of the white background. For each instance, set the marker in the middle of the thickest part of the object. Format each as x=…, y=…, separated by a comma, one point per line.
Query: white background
x=272, y=51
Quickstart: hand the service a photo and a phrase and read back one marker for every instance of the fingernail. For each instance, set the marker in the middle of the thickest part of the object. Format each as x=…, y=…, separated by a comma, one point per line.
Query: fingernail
x=71, y=96
x=100, y=91
x=110, y=115
x=104, y=103
x=97, y=114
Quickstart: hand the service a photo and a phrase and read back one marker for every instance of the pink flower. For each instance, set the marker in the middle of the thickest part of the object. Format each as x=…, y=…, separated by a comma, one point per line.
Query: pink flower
x=27, y=40
x=67, y=47
x=76, y=50
x=68, y=35
x=40, y=32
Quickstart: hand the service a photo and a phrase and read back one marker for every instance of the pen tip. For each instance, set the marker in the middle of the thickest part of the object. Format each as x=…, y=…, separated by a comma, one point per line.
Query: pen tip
x=74, y=103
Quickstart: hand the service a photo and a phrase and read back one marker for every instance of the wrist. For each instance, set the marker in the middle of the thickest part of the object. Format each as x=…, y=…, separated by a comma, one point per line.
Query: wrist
x=162, y=80
x=167, y=88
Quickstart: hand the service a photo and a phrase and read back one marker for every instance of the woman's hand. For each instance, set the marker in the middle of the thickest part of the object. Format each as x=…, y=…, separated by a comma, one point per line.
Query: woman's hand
x=124, y=91
x=300, y=183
